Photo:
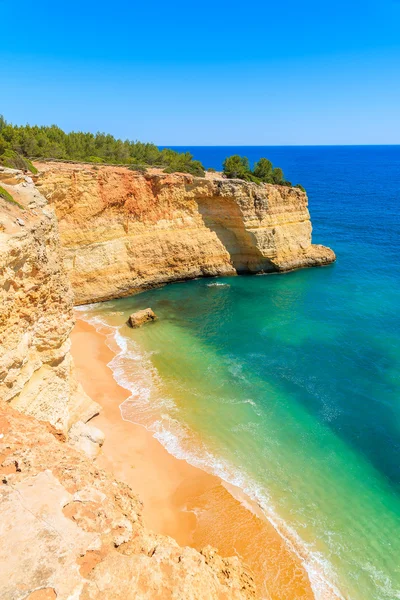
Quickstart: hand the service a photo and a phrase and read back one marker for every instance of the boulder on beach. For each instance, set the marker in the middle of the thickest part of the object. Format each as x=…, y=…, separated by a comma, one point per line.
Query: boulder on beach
x=139, y=318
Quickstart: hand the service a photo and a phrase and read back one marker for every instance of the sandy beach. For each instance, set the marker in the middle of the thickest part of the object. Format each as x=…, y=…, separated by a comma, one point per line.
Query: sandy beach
x=181, y=501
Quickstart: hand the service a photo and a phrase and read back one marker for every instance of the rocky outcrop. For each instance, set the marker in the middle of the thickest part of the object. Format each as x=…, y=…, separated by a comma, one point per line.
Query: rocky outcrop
x=69, y=530
x=36, y=369
x=85, y=437
x=140, y=317
x=123, y=231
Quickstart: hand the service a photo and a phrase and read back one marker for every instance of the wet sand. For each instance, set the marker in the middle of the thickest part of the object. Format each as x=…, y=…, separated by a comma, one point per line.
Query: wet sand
x=180, y=500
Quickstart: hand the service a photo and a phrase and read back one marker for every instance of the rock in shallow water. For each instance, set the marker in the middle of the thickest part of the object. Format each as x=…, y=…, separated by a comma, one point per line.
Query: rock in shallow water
x=139, y=318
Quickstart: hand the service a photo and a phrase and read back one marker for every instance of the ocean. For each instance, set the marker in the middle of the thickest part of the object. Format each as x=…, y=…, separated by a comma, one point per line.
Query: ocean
x=288, y=385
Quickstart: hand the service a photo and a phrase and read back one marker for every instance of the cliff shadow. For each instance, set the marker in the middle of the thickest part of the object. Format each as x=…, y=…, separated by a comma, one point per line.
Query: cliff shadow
x=225, y=219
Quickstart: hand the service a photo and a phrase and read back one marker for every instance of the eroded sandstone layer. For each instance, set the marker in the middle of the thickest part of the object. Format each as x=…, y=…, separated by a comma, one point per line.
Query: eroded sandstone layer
x=36, y=317
x=124, y=231
x=69, y=530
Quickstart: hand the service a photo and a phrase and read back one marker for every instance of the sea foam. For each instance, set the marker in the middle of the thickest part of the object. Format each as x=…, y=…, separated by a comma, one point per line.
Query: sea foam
x=132, y=369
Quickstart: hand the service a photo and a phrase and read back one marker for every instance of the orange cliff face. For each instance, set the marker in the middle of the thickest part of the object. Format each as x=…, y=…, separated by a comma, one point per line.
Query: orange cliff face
x=124, y=231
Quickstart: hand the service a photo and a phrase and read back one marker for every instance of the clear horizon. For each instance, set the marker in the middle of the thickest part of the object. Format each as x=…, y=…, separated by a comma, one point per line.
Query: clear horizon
x=267, y=145
x=286, y=75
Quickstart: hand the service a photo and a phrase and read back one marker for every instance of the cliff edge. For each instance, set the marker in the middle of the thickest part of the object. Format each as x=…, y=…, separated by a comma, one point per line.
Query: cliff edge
x=124, y=231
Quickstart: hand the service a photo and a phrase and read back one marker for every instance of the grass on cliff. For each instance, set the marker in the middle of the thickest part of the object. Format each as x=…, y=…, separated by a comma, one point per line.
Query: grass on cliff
x=8, y=198
x=13, y=160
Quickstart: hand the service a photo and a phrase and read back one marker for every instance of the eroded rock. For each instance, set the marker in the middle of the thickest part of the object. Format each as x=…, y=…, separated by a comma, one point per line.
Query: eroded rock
x=123, y=232
x=36, y=317
x=39, y=546
x=139, y=318
x=86, y=438
x=70, y=530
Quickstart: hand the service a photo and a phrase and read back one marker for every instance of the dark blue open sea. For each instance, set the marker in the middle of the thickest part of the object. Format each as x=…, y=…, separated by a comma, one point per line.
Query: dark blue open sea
x=292, y=382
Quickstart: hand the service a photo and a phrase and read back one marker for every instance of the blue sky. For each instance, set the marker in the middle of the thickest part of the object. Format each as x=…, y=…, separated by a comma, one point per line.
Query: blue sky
x=206, y=73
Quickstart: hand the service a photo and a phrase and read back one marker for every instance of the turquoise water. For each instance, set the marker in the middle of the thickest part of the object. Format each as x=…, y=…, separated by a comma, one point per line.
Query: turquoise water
x=288, y=385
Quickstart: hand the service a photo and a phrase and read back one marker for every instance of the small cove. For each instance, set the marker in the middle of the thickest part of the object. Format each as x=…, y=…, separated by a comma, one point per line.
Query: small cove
x=288, y=386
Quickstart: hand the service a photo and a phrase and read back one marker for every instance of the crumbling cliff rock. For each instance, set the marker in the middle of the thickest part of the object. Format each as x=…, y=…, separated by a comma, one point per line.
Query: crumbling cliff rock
x=36, y=318
x=69, y=530
x=124, y=231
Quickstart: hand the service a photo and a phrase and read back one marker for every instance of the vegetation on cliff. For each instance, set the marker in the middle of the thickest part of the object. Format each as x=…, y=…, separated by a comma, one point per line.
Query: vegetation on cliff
x=238, y=167
x=13, y=160
x=18, y=143
x=8, y=198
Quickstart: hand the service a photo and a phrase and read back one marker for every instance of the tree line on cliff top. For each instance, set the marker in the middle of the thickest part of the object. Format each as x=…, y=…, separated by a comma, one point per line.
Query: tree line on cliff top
x=19, y=144
x=239, y=167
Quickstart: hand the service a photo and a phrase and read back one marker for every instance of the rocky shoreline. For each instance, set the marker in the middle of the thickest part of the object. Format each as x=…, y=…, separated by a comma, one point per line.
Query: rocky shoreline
x=69, y=529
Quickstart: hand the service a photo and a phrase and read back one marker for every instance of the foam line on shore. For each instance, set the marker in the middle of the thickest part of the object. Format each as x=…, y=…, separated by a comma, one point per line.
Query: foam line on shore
x=179, y=441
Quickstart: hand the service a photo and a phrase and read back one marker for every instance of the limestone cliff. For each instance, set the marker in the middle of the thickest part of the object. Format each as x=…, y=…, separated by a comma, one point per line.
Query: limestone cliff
x=36, y=370
x=123, y=231
x=69, y=530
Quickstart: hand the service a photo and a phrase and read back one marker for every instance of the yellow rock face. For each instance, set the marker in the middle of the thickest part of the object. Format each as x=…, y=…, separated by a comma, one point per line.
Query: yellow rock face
x=36, y=370
x=123, y=231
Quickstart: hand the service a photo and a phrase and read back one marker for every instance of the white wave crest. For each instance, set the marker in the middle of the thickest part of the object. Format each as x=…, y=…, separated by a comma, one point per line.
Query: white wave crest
x=133, y=370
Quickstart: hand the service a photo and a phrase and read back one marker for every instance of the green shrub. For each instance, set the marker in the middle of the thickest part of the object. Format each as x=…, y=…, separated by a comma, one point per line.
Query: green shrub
x=8, y=198
x=263, y=170
x=236, y=167
x=196, y=168
x=139, y=168
x=251, y=177
x=298, y=185
x=277, y=176
x=211, y=170
x=31, y=167
x=13, y=160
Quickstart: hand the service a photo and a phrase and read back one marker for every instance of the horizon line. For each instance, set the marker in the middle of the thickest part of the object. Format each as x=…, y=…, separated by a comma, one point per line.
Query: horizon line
x=275, y=145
